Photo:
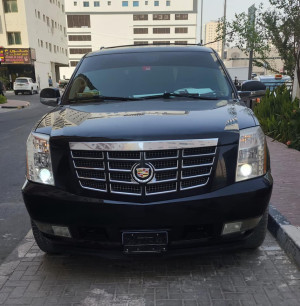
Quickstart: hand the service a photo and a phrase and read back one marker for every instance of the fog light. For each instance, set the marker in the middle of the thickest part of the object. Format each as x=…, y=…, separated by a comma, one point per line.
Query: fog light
x=61, y=231
x=44, y=175
x=246, y=170
x=230, y=228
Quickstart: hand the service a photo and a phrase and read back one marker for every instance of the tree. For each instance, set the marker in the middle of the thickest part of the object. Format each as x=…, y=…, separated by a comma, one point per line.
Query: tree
x=278, y=26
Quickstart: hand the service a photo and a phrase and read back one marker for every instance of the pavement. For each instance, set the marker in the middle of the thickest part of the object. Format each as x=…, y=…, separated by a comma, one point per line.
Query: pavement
x=269, y=275
x=12, y=104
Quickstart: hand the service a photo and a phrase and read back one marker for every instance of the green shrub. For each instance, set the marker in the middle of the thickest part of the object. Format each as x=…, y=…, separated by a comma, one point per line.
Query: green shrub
x=279, y=116
x=2, y=99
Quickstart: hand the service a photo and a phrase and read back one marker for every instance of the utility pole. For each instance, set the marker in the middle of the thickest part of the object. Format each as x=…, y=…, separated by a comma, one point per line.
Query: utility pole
x=201, y=25
x=251, y=16
x=224, y=30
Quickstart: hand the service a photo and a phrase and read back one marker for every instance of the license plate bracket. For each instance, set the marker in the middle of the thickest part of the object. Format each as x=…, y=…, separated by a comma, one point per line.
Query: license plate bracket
x=145, y=242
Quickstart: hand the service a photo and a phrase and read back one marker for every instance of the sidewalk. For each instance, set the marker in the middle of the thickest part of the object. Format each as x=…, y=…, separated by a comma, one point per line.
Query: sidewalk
x=15, y=104
x=284, y=214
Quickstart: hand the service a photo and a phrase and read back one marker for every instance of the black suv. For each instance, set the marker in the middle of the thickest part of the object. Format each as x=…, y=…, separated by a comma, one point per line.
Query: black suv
x=149, y=150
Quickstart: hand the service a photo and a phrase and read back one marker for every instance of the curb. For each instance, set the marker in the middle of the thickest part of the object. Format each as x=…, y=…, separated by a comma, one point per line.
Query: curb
x=287, y=235
x=16, y=106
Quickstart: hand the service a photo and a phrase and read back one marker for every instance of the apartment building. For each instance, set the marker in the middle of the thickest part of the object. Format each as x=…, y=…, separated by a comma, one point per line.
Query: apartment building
x=211, y=36
x=95, y=24
x=33, y=35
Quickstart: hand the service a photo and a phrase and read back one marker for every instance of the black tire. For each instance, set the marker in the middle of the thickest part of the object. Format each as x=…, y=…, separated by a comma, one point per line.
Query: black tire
x=37, y=90
x=43, y=243
x=258, y=236
x=16, y=92
x=31, y=91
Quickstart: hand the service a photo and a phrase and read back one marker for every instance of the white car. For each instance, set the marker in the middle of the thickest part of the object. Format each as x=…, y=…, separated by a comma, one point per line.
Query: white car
x=25, y=85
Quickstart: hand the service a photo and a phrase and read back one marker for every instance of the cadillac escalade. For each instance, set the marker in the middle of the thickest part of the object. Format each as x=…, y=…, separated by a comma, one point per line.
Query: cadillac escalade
x=150, y=149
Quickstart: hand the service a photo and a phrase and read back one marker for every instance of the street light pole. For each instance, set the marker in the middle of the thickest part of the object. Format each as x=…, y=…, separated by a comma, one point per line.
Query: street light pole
x=201, y=25
x=224, y=30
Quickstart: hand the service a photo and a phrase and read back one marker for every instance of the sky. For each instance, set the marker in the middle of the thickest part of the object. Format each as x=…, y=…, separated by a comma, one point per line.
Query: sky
x=214, y=9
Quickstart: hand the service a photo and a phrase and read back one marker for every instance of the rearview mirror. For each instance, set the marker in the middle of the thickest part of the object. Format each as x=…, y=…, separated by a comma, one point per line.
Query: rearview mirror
x=50, y=96
x=252, y=89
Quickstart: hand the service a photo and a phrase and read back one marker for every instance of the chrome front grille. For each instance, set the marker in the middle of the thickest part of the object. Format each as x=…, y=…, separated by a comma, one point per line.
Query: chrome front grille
x=176, y=165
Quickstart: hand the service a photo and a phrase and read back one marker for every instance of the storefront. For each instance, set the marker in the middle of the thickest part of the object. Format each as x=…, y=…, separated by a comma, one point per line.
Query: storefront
x=16, y=63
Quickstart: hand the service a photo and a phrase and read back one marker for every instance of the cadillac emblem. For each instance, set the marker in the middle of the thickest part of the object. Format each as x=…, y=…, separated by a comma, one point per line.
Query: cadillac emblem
x=142, y=173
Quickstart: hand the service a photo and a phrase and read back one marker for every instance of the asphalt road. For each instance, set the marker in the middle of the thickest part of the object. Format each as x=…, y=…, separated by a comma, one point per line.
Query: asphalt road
x=15, y=125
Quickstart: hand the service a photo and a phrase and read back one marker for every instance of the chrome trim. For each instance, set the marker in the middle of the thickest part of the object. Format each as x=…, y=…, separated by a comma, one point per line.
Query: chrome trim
x=91, y=179
x=101, y=190
x=154, y=181
x=195, y=176
x=166, y=169
x=198, y=165
x=119, y=192
x=87, y=168
x=161, y=158
x=123, y=182
x=161, y=192
x=144, y=145
x=93, y=158
x=199, y=155
x=192, y=187
x=126, y=159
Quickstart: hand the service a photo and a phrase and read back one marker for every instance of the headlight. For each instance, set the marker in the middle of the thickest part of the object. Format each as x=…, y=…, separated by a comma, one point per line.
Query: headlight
x=252, y=156
x=39, y=167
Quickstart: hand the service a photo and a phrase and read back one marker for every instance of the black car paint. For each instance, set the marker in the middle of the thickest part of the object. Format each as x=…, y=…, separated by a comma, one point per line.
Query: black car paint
x=221, y=201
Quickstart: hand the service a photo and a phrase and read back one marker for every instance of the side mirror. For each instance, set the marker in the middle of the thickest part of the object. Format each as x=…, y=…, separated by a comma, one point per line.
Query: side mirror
x=252, y=89
x=50, y=96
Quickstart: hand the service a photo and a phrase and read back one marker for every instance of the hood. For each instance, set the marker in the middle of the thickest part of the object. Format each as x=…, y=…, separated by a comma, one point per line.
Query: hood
x=145, y=121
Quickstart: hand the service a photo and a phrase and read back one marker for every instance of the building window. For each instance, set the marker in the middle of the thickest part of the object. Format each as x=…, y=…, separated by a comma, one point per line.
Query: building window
x=181, y=30
x=181, y=42
x=48, y=21
x=108, y=2
x=10, y=6
x=140, y=17
x=79, y=21
x=124, y=3
x=44, y=18
x=14, y=38
x=146, y=2
x=80, y=50
x=63, y=8
x=96, y=3
x=161, y=42
x=140, y=31
x=135, y=3
x=80, y=37
x=161, y=16
x=73, y=63
x=168, y=3
x=86, y=4
x=141, y=42
x=42, y=44
x=75, y=3
x=39, y=15
x=50, y=47
x=46, y=45
x=161, y=30
x=156, y=3
x=181, y=16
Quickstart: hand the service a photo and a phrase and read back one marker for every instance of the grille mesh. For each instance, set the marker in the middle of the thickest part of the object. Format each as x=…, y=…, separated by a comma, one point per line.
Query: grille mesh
x=174, y=170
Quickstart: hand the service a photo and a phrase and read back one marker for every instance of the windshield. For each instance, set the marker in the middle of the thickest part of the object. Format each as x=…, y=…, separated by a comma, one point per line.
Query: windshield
x=21, y=81
x=140, y=75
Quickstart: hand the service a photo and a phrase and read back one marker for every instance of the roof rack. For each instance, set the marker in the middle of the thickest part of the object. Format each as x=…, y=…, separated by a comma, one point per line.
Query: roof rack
x=141, y=45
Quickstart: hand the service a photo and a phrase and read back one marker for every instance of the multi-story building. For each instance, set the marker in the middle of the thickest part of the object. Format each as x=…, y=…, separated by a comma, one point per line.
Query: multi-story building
x=34, y=39
x=211, y=35
x=93, y=24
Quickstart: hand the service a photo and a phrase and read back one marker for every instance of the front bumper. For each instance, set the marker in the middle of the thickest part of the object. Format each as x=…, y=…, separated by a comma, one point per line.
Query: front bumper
x=191, y=222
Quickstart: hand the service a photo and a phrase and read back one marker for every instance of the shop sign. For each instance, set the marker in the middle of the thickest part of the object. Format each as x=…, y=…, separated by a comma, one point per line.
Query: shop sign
x=17, y=56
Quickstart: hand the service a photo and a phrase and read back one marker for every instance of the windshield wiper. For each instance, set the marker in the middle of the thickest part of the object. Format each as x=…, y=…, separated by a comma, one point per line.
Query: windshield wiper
x=168, y=95
x=102, y=98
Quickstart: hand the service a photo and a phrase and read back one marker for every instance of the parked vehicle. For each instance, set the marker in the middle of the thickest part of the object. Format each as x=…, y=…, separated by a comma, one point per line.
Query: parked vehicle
x=22, y=85
x=272, y=81
x=63, y=83
x=149, y=150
